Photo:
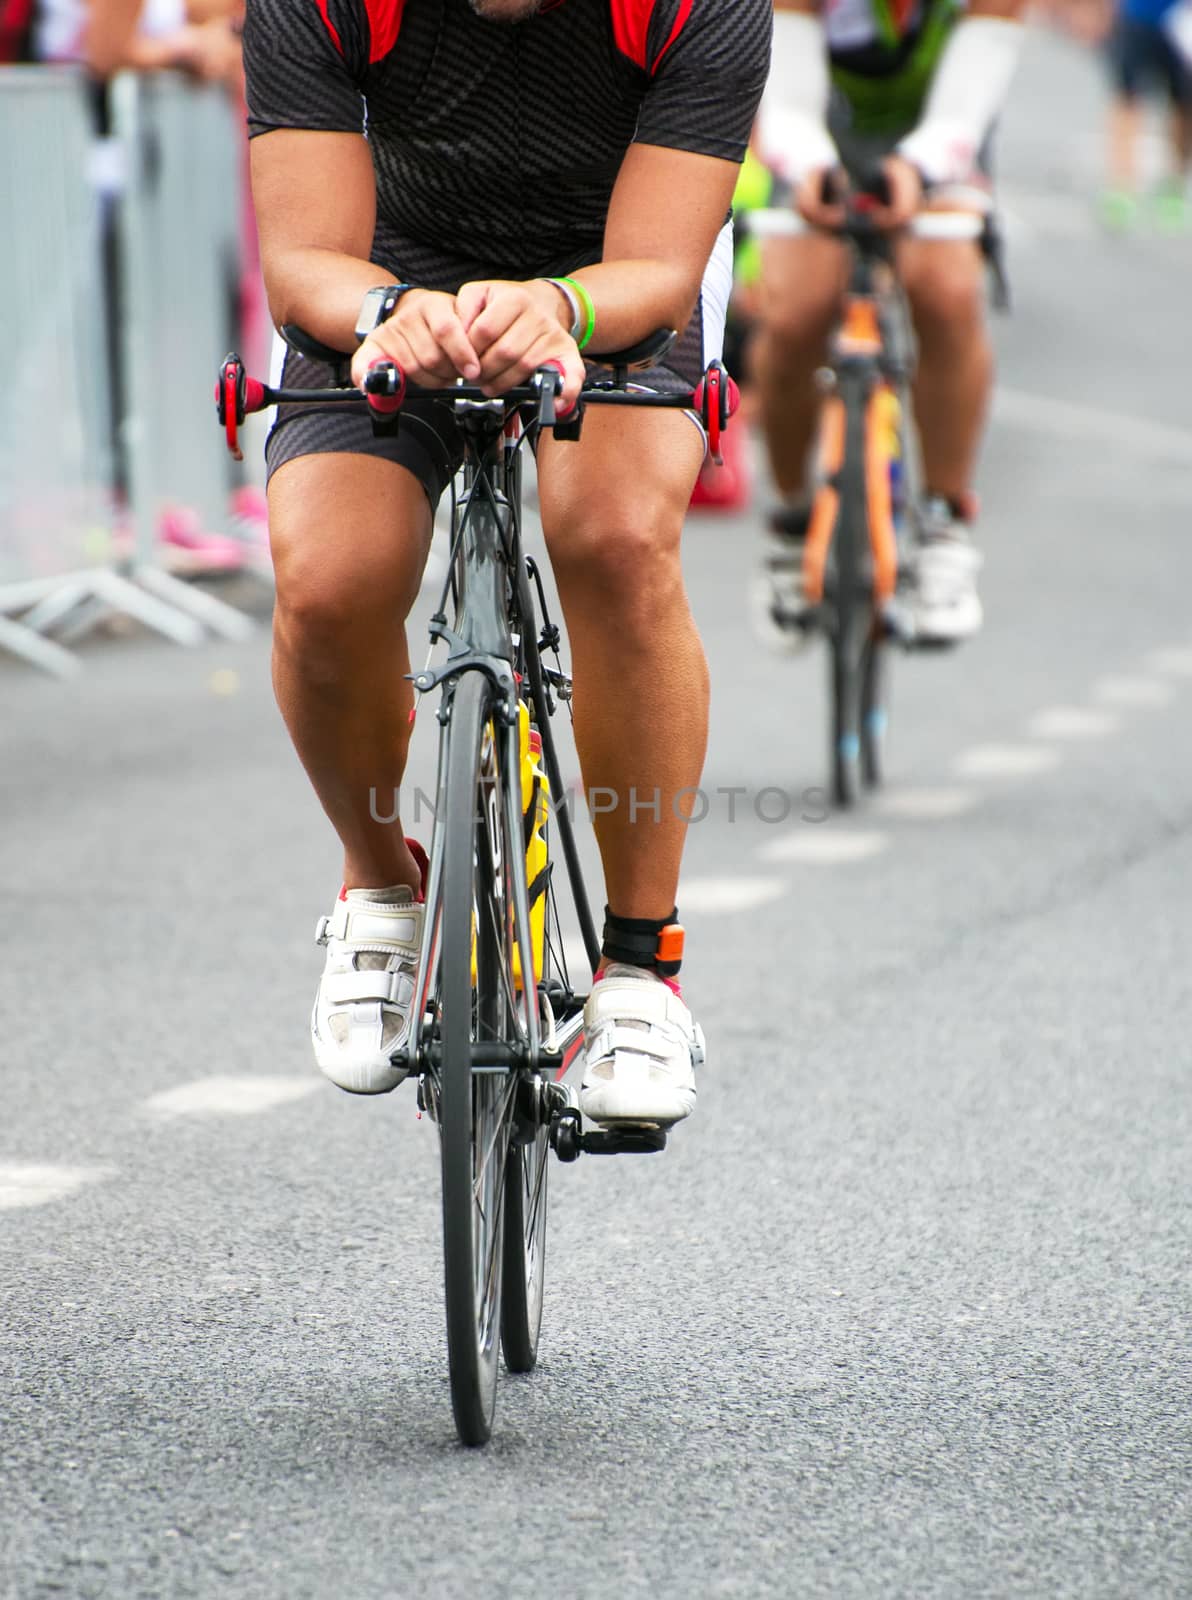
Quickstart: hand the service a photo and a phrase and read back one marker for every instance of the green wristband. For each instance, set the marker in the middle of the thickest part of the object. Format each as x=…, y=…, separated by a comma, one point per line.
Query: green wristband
x=589, y=309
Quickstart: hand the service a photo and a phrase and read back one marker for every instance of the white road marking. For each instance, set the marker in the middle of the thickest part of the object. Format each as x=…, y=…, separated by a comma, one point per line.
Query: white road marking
x=1137, y=692
x=928, y=805
x=1070, y=420
x=1030, y=216
x=709, y=895
x=29, y=1183
x=1072, y=722
x=1175, y=662
x=230, y=1097
x=1005, y=761
x=822, y=847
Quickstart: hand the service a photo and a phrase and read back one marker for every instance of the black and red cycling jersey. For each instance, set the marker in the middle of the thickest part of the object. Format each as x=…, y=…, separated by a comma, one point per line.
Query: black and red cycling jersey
x=496, y=145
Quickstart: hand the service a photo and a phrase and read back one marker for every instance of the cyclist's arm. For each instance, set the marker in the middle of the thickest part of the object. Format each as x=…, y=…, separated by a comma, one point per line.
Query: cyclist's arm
x=792, y=131
x=314, y=187
x=315, y=198
x=793, y=127
x=667, y=209
x=968, y=91
x=675, y=187
x=312, y=174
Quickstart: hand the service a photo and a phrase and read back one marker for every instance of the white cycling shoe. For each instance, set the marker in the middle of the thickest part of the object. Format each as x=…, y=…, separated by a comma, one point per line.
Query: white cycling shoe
x=641, y=1047
x=778, y=603
x=944, y=599
x=362, y=1009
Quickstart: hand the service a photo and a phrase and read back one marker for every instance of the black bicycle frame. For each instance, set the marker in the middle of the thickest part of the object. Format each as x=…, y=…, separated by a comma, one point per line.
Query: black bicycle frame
x=494, y=600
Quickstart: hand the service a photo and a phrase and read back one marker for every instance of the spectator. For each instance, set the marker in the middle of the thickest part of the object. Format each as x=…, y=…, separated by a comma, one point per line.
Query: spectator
x=202, y=40
x=1144, y=53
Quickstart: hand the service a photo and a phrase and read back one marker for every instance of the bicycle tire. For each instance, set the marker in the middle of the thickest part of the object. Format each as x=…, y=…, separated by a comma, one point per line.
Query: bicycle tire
x=524, y=1267
x=874, y=716
x=528, y=1173
x=852, y=603
x=476, y=1110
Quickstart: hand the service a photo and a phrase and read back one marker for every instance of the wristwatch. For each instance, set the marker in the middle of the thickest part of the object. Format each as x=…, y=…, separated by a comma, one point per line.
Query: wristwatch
x=378, y=306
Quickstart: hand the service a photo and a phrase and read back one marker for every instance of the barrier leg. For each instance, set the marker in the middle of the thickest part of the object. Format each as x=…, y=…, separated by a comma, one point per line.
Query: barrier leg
x=55, y=606
x=123, y=595
x=215, y=614
x=38, y=652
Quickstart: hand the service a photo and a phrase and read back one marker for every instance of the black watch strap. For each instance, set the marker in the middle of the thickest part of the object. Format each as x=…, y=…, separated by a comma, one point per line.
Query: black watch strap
x=378, y=306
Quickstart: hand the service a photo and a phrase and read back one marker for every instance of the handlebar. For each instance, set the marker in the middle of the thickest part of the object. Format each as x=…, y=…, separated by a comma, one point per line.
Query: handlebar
x=871, y=190
x=386, y=391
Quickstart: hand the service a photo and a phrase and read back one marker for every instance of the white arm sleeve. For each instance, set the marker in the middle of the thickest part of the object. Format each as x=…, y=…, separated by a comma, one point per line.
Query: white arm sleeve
x=793, y=124
x=969, y=89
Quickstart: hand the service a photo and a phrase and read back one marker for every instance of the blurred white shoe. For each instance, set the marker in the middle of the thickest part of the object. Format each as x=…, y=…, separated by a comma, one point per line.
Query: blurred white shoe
x=362, y=1010
x=641, y=1048
x=778, y=601
x=945, y=563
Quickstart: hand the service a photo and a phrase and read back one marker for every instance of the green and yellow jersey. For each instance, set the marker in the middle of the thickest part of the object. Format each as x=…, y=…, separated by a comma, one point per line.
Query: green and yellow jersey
x=884, y=54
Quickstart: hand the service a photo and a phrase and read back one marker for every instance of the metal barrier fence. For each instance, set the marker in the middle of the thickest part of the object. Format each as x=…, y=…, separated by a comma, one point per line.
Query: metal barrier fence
x=66, y=557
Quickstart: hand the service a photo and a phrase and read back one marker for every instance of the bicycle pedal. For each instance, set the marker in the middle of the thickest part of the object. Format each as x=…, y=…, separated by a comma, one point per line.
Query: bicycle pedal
x=899, y=625
x=631, y=1141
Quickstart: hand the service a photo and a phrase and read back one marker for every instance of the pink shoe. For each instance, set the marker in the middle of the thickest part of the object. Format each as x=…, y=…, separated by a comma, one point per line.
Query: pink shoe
x=180, y=528
x=250, y=513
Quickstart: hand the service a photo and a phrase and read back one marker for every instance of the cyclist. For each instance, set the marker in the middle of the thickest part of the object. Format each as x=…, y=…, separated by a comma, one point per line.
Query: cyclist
x=473, y=188
x=915, y=86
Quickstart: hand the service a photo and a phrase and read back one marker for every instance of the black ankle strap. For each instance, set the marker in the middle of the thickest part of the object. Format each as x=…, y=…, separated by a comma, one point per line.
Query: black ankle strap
x=642, y=942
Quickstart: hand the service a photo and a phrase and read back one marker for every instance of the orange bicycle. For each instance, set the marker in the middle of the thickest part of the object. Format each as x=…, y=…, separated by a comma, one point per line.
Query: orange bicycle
x=868, y=478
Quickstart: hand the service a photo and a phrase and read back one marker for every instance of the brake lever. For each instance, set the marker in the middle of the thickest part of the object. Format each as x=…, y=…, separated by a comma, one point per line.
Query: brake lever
x=548, y=384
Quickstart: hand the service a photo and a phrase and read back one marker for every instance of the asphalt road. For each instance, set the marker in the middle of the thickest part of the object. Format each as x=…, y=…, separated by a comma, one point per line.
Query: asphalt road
x=904, y=1311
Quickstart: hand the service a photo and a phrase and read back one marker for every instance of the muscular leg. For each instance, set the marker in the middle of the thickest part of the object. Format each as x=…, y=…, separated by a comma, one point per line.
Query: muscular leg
x=613, y=509
x=799, y=297
x=945, y=285
x=350, y=535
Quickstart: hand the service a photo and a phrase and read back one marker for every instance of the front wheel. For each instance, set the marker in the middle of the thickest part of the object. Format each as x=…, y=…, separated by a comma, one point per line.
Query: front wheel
x=846, y=696
x=874, y=715
x=479, y=1006
x=525, y=1248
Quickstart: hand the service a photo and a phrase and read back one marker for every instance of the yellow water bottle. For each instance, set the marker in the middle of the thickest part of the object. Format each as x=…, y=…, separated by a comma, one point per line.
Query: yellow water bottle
x=535, y=811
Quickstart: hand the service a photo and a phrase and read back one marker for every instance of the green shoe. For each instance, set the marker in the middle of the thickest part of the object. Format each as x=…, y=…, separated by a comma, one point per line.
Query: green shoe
x=1118, y=210
x=1172, y=212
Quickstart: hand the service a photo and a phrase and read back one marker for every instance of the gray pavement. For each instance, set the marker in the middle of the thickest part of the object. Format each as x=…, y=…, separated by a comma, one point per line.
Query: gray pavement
x=904, y=1311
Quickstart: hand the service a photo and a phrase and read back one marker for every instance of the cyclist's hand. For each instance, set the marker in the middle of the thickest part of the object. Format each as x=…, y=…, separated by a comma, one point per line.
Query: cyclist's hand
x=906, y=194
x=819, y=199
x=517, y=328
x=427, y=340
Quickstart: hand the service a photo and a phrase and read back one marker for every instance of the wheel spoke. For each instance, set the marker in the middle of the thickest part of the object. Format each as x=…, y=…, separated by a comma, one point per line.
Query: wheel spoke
x=501, y=1124
x=539, y=1190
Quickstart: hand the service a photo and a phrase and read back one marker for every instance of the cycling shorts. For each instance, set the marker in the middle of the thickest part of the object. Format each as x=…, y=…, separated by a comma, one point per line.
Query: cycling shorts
x=1142, y=55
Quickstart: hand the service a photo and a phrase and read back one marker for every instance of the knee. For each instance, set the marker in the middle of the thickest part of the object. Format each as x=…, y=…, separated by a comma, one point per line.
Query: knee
x=312, y=615
x=621, y=558
x=328, y=609
x=947, y=296
x=801, y=292
x=796, y=323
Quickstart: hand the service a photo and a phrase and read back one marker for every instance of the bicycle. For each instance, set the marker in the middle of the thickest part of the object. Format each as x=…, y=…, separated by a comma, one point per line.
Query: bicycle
x=868, y=475
x=488, y=1045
